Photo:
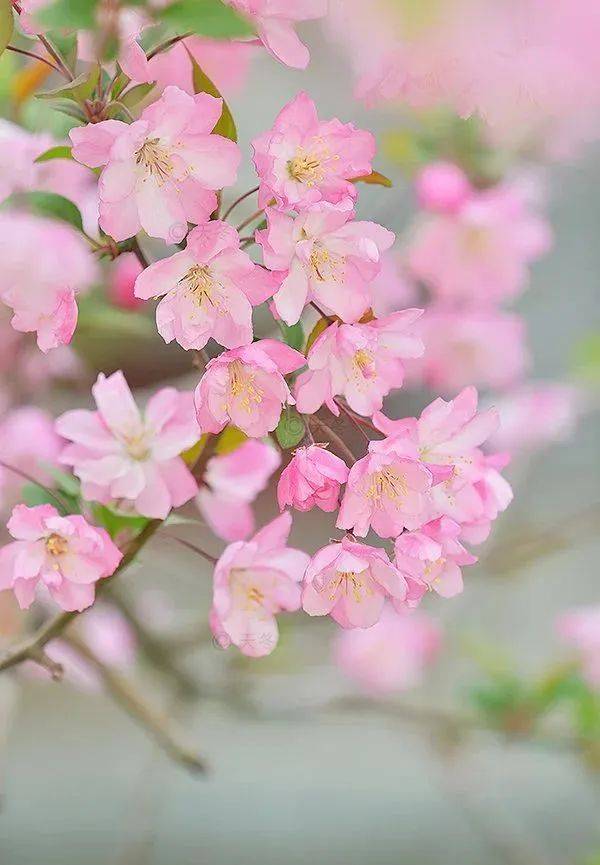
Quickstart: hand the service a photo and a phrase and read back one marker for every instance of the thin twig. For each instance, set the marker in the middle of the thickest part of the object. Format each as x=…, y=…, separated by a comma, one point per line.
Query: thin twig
x=209, y=558
x=239, y=201
x=154, y=722
x=62, y=66
x=34, y=56
x=32, y=480
x=137, y=250
x=352, y=420
x=334, y=438
x=252, y=218
x=168, y=43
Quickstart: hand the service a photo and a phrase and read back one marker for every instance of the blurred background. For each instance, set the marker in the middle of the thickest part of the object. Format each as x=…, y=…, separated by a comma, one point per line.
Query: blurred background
x=303, y=766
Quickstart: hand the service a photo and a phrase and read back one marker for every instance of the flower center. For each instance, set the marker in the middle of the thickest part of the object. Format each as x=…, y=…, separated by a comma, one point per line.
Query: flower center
x=156, y=159
x=56, y=545
x=326, y=265
x=137, y=447
x=387, y=484
x=255, y=596
x=306, y=168
x=242, y=386
x=351, y=582
x=200, y=284
x=363, y=362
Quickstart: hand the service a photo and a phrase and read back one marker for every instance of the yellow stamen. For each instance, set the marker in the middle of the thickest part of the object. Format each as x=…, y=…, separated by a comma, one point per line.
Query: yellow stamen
x=56, y=545
x=156, y=159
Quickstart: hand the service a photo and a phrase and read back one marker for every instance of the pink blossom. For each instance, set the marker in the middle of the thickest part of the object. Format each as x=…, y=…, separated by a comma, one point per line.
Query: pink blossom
x=232, y=482
x=303, y=160
x=486, y=348
x=210, y=289
x=312, y=479
x=65, y=554
x=361, y=362
x=431, y=559
x=387, y=490
x=581, y=630
x=274, y=21
x=390, y=656
x=44, y=264
x=350, y=581
x=392, y=289
x=442, y=187
x=160, y=172
x=486, y=498
x=324, y=255
x=124, y=272
x=27, y=442
x=246, y=387
x=121, y=454
x=253, y=581
x=480, y=252
x=536, y=414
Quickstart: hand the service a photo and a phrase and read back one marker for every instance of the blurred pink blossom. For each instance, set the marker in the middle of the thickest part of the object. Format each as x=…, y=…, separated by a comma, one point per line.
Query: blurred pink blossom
x=536, y=414
x=27, y=441
x=580, y=629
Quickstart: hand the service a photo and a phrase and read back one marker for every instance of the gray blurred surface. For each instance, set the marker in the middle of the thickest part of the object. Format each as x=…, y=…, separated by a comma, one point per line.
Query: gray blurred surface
x=83, y=786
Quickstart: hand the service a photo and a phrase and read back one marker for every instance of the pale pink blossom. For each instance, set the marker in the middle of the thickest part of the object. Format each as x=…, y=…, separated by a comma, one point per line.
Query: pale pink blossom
x=485, y=499
x=232, y=482
x=580, y=629
x=120, y=453
x=161, y=171
x=350, y=581
x=303, y=160
x=431, y=559
x=226, y=63
x=44, y=265
x=253, y=582
x=361, y=362
x=486, y=348
x=325, y=256
x=28, y=443
x=536, y=414
x=209, y=289
x=274, y=21
x=481, y=251
x=312, y=478
x=387, y=490
x=392, y=289
x=390, y=656
x=246, y=387
x=65, y=554
x=442, y=187
x=123, y=274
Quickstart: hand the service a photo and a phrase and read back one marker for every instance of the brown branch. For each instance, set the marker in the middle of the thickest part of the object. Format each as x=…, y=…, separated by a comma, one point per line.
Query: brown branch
x=62, y=66
x=334, y=438
x=252, y=218
x=239, y=200
x=34, y=56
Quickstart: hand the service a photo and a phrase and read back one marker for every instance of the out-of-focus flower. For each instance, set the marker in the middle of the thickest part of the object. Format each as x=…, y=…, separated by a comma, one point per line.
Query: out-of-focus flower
x=65, y=554
x=312, y=478
x=161, y=171
x=253, y=581
x=350, y=582
x=119, y=453
x=209, y=289
x=246, y=387
x=536, y=414
x=323, y=255
x=227, y=64
x=123, y=274
x=27, y=441
x=44, y=264
x=392, y=289
x=442, y=187
x=303, y=160
x=580, y=629
x=390, y=656
x=361, y=362
x=232, y=482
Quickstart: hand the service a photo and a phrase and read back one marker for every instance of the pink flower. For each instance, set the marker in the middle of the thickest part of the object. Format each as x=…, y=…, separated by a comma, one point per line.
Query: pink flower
x=121, y=454
x=361, y=362
x=44, y=264
x=124, y=272
x=536, y=414
x=210, y=289
x=431, y=559
x=274, y=22
x=581, y=630
x=387, y=490
x=246, y=387
x=351, y=581
x=233, y=481
x=303, y=160
x=253, y=581
x=391, y=655
x=481, y=252
x=27, y=441
x=160, y=172
x=392, y=289
x=486, y=348
x=312, y=479
x=65, y=554
x=442, y=187
x=485, y=499
x=325, y=256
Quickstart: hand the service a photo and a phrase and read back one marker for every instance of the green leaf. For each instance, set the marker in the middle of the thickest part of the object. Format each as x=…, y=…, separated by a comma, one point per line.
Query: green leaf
x=78, y=90
x=207, y=18
x=101, y=321
x=292, y=335
x=202, y=84
x=59, y=152
x=375, y=178
x=66, y=483
x=230, y=440
x=136, y=94
x=7, y=23
x=121, y=82
x=53, y=206
x=586, y=357
x=69, y=14
x=316, y=332
x=33, y=494
x=290, y=429
x=115, y=521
